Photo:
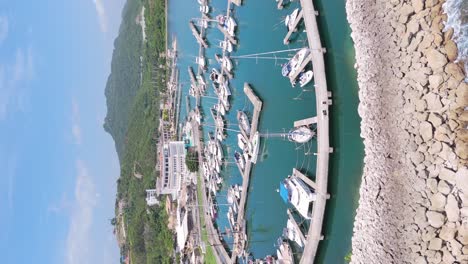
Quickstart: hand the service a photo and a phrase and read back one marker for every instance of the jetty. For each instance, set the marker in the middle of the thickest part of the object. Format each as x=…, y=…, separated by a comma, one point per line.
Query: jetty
x=219, y=251
x=314, y=235
x=227, y=35
x=197, y=35
x=294, y=28
x=240, y=236
x=305, y=122
x=280, y=4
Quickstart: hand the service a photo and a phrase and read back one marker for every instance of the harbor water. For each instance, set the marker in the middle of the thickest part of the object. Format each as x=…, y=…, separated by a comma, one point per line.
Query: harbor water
x=261, y=29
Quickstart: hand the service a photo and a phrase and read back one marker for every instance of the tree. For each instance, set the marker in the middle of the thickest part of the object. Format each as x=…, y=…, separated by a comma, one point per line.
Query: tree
x=191, y=160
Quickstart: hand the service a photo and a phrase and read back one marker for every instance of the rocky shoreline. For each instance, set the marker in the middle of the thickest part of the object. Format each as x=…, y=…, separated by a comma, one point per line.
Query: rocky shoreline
x=413, y=205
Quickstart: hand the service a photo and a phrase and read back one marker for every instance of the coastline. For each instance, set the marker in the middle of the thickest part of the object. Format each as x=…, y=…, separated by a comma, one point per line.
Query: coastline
x=413, y=205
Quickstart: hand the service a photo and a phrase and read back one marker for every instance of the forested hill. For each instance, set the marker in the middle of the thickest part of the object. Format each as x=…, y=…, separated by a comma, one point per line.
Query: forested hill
x=124, y=79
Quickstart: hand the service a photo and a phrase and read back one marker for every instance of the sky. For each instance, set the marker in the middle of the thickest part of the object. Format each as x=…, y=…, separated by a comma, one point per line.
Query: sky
x=58, y=168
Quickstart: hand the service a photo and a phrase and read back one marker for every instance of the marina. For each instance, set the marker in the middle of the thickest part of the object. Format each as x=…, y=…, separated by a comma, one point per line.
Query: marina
x=230, y=232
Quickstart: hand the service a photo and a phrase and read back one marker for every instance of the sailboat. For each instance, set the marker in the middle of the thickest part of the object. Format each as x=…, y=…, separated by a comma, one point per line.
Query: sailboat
x=293, y=64
x=296, y=192
x=226, y=45
x=244, y=123
x=301, y=134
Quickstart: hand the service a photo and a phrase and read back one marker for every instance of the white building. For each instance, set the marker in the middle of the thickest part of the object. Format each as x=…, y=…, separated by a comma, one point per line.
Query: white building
x=151, y=197
x=173, y=169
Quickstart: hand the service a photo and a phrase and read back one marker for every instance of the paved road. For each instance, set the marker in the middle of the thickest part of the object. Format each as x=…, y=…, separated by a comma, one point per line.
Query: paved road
x=323, y=148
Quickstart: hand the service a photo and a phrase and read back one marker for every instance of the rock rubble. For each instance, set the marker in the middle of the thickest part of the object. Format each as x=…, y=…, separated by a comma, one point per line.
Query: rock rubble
x=413, y=205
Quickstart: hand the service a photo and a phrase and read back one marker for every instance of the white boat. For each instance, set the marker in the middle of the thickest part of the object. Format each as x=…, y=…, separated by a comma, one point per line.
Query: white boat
x=204, y=9
x=284, y=253
x=221, y=19
x=202, y=2
x=291, y=233
x=225, y=87
x=215, y=76
x=226, y=45
x=201, y=83
x=293, y=64
x=201, y=61
x=220, y=109
x=298, y=194
x=290, y=19
x=239, y=160
x=230, y=216
x=227, y=64
x=220, y=134
x=305, y=78
x=244, y=123
x=242, y=142
x=301, y=134
x=255, y=147
x=231, y=26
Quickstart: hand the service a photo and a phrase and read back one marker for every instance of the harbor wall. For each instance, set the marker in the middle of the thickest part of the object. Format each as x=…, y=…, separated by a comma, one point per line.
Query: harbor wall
x=413, y=205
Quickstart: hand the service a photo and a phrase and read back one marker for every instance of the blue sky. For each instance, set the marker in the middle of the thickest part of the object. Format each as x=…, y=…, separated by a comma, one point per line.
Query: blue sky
x=57, y=165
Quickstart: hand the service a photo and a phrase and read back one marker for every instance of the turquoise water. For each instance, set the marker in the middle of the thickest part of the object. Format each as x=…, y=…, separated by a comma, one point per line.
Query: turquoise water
x=261, y=29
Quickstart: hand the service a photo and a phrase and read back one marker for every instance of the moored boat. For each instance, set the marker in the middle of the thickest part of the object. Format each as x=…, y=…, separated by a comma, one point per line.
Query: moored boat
x=239, y=160
x=255, y=147
x=296, y=192
x=305, y=78
x=226, y=45
x=244, y=123
x=301, y=134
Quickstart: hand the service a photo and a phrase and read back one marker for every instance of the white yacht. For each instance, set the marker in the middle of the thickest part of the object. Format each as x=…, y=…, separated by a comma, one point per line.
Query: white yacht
x=201, y=61
x=293, y=64
x=305, y=78
x=301, y=134
x=296, y=192
x=292, y=233
x=242, y=142
x=204, y=9
x=244, y=123
x=284, y=253
x=226, y=45
x=290, y=19
x=239, y=160
x=220, y=109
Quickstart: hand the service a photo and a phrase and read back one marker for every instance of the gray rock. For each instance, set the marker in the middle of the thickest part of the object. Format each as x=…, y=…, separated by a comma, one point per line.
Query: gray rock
x=435, y=244
x=464, y=212
x=451, y=209
x=435, y=148
x=435, y=81
x=420, y=260
x=426, y=131
x=438, y=202
x=462, y=180
x=433, y=102
x=447, y=175
x=416, y=157
x=462, y=235
x=465, y=250
x=435, y=119
x=435, y=59
x=447, y=232
x=443, y=187
x=447, y=257
x=413, y=26
x=418, y=5
x=432, y=185
x=435, y=219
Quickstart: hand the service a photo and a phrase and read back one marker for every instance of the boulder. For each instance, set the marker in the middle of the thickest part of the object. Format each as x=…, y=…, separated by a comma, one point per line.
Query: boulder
x=435, y=148
x=451, y=209
x=455, y=71
x=435, y=219
x=435, y=59
x=433, y=101
x=438, y=202
x=416, y=157
x=462, y=180
x=447, y=175
x=418, y=76
x=435, y=244
x=462, y=235
x=443, y=187
x=435, y=119
x=431, y=183
x=447, y=232
x=451, y=49
x=426, y=131
x=435, y=81
x=413, y=26
x=418, y=5
x=447, y=257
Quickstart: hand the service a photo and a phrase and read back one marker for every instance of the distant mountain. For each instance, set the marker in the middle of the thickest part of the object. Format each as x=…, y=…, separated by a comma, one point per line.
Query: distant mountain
x=124, y=79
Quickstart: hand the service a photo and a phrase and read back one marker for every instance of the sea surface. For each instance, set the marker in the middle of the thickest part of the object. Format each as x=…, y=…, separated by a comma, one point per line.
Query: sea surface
x=457, y=18
x=261, y=29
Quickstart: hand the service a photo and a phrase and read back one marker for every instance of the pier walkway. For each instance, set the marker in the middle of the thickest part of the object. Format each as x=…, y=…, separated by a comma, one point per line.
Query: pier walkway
x=240, y=235
x=323, y=145
x=220, y=252
x=197, y=35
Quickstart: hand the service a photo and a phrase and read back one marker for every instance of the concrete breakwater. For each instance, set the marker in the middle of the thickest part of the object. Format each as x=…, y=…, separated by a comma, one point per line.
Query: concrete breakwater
x=413, y=205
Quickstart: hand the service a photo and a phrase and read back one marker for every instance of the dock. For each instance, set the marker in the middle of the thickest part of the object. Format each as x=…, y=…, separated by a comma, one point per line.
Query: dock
x=197, y=35
x=227, y=35
x=314, y=235
x=294, y=28
x=280, y=4
x=219, y=251
x=239, y=237
x=306, y=122
x=237, y=2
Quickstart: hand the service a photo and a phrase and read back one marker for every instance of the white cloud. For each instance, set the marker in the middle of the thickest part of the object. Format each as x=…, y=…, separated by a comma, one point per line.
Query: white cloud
x=102, y=16
x=3, y=28
x=13, y=81
x=79, y=244
x=76, y=128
